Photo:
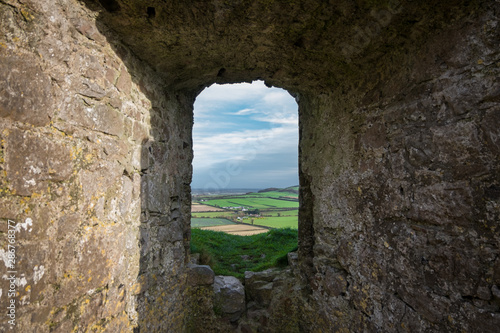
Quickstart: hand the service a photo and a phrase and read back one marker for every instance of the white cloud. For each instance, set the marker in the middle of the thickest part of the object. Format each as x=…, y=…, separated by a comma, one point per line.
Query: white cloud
x=209, y=151
x=236, y=92
x=204, y=124
x=245, y=112
x=277, y=119
x=245, y=123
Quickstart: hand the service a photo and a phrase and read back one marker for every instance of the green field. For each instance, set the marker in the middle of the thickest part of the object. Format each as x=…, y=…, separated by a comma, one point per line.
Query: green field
x=249, y=202
x=223, y=252
x=199, y=222
x=288, y=212
x=227, y=214
x=275, y=212
x=278, y=222
x=271, y=194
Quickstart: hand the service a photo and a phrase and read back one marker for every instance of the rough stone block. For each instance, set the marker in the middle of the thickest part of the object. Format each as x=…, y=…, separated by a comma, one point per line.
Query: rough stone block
x=98, y=117
x=200, y=275
x=229, y=296
x=25, y=92
x=335, y=283
x=267, y=275
x=124, y=83
x=33, y=160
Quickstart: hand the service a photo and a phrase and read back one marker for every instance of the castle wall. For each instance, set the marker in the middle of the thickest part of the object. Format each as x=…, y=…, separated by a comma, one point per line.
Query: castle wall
x=95, y=172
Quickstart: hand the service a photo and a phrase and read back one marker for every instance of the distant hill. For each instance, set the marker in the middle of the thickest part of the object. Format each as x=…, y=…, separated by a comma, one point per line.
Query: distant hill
x=292, y=189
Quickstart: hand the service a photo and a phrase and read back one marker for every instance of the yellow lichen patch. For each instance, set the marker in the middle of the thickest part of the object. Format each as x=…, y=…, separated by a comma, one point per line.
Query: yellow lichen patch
x=27, y=15
x=75, y=151
x=343, y=330
x=480, y=62
x=338, y=314
x=363, y=304
x=28, y=288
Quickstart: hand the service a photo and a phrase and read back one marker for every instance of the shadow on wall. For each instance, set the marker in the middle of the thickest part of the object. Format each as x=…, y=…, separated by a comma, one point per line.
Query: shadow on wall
x=165, y=157
x=165, y=171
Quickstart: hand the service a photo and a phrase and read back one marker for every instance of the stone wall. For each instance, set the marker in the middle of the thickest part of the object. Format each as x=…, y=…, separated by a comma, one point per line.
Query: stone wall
x=399, y=154
x=405, y=186
x=95, y=171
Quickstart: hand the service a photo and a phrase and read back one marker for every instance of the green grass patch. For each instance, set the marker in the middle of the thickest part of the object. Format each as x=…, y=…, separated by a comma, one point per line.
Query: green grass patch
x=272, y=194
x=291, y=212
x=253, y=202
x=214, y=214
x=278, y=222
x=233, y=255
x=208, y=222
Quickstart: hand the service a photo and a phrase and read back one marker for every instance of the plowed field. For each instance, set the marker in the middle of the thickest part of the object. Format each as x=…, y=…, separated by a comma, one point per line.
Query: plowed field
x=238, y=229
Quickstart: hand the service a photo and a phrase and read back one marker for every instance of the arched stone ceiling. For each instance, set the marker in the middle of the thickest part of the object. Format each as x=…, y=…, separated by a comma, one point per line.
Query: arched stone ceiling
x=298, y=45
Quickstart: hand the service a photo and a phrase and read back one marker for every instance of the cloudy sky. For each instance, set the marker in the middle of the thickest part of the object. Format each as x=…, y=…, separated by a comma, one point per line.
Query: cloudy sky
x=245, y=136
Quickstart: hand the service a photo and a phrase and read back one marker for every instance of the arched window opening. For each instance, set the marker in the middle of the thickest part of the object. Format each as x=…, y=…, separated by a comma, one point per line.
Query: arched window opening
x=245, y=176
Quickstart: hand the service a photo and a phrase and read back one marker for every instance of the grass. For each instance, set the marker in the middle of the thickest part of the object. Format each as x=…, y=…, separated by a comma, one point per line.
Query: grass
x=290, y=212
x=254, y=202
x=214, y=214
x=271, y=194
x=278, y=222
x=233, y=255
x=200, y=222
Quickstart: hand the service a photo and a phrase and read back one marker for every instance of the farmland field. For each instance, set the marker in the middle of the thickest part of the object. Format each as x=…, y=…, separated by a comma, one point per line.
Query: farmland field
x=288, y=212
x=250, y=202
x=278, y=222
x=275, y=208
x=271, y=194
x=238, y=229
x=199, y=222
x=196, y=207
x=226, y=214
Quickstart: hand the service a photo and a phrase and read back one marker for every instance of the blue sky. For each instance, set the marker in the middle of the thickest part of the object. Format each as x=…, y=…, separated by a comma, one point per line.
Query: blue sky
x=245, y=136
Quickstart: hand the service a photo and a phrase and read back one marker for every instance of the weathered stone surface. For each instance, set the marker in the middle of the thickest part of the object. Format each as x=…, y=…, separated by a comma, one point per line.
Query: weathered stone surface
x=260, y=292
x=25, y=91
x=71, y=178
x=229, y=296
x=200, y=275
x=33, y=160
x=267, y=275
x=259, y=286
x=100, y=117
